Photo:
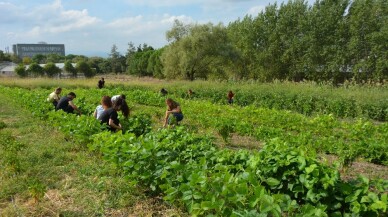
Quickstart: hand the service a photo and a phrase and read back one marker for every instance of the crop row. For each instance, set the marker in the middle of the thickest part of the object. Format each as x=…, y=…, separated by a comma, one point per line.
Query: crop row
x=189, y=170
x=322, y=133
x=307, y=102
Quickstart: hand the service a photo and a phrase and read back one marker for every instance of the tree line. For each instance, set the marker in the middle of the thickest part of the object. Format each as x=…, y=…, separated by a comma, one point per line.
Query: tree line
x=330, y=40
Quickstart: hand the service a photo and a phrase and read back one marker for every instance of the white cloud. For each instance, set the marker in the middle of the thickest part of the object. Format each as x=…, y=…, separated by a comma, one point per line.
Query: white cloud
x=254, y=11
x=125, y=22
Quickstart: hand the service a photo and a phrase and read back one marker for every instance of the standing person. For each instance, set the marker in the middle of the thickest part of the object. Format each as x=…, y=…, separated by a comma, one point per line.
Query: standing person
x=66, y=104
x=124, y=106
x=105, y=101
x=173, y=112
x=55, y=96
x=110, y=115
x=230, y=97
x=101, y=83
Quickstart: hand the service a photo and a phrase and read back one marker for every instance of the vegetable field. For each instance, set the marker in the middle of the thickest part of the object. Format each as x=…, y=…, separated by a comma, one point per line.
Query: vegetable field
x=197, y=166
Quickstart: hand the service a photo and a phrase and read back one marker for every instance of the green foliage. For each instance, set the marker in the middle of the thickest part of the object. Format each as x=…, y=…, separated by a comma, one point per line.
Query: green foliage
x=21, y=70
x=2, y=125
x=35, y=69
x=284, y=177
x=39, y=58
x=51, y=69
x=83, y=67
x=69, y=68
x=137, y=124
x=197, y=54
x=36, y=189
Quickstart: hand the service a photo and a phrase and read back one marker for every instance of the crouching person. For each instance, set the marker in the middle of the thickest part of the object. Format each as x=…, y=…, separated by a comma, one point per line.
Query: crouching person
x=110, y=115
x=173, y=114
x=66, y=104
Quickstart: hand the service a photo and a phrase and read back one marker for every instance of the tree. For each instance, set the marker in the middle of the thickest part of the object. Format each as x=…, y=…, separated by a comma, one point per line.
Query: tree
x=178, y=31
x=35, y=69
x=51, y=69
x=26, y=60
x=94, y=62
x=114, y=57
x=55, y=58
x=39, y=58
x=155, y=66
x=21, y=70
x=69, y=68
x=198, y=54
x=83, y=67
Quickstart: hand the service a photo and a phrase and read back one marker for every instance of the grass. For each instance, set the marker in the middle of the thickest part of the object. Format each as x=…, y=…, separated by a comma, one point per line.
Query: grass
x=42, y=174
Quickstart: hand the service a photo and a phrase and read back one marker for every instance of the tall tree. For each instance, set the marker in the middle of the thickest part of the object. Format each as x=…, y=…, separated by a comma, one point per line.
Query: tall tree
x=198, y=54
x=114, y=58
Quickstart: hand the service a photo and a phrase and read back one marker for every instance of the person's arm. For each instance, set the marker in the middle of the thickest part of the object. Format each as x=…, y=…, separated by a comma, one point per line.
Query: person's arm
x=74, y=107
x=166, y=118
x=95, y=113
x=112, y=124
x=176, y=110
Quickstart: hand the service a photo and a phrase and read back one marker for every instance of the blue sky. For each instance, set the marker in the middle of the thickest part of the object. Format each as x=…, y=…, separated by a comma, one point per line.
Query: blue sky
x=91, y=27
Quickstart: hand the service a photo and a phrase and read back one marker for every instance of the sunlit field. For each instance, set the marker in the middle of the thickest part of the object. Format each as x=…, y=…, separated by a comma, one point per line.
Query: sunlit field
x=282, y=148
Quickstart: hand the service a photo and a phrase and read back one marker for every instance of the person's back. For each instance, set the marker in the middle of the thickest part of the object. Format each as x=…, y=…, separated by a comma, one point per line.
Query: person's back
x=63, y=104
x=109, y=113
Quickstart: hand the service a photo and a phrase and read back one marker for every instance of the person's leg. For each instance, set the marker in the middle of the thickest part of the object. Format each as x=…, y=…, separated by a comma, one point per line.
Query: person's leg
x=178, y=117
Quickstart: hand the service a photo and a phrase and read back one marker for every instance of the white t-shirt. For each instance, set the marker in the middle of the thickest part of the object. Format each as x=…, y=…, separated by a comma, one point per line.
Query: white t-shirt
x=115, y=98
x=99, y=110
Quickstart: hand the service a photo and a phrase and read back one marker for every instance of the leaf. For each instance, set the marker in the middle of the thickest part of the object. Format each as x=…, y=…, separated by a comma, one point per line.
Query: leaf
x=206, y=205
x=272, y=181
x=378, y=206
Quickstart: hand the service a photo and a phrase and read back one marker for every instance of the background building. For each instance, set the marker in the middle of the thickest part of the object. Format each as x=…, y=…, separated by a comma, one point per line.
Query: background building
x=30, y=50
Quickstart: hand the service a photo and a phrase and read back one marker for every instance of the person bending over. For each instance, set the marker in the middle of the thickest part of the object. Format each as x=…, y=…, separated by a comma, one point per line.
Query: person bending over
x=110, y=116
x=124, y=106
x=55, y=96
x=105, y=100
x=66, y=104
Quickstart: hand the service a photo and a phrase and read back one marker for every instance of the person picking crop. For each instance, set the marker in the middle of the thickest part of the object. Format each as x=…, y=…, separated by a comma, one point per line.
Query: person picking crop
x=173, y=114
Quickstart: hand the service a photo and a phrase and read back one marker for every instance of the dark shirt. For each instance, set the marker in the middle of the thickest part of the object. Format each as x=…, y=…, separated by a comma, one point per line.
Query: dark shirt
x=109, y=114
x=64, y=104
x=101, y=84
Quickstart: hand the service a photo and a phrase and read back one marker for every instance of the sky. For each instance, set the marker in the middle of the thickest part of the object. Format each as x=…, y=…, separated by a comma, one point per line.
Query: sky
x=92, y=27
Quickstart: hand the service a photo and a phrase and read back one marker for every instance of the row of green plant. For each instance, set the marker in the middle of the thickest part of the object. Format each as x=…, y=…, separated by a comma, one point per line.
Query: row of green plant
x=373, y=104
x=278, y=180
x=188, y=170
x=323, y=133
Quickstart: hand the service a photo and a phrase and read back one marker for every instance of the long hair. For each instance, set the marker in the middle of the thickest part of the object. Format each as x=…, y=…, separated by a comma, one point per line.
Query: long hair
x=171, y=104
x=121, y=105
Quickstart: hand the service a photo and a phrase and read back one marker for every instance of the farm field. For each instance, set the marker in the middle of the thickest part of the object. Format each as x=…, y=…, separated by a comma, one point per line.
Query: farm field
x=281, y=149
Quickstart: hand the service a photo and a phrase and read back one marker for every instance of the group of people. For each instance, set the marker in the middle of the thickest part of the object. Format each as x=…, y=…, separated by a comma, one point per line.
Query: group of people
x=64, y=103
x=107, y=111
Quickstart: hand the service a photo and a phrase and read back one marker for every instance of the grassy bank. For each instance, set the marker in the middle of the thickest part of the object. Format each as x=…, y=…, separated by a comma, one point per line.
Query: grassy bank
x=42, y=174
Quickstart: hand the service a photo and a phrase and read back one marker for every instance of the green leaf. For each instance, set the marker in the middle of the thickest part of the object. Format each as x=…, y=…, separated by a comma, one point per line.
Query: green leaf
x=272, y=181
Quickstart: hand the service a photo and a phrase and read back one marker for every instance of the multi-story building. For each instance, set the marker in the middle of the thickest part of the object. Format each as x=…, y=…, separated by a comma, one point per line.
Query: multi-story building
x=30, y=50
